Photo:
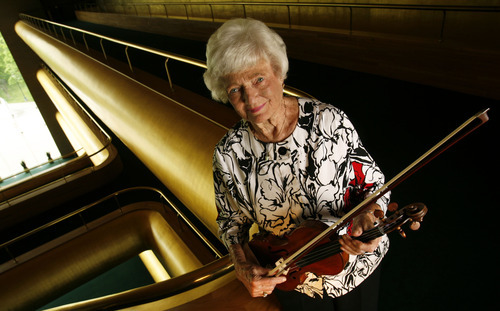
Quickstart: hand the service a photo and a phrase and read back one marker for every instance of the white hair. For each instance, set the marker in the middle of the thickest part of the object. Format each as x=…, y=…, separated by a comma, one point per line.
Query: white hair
x=237, y=45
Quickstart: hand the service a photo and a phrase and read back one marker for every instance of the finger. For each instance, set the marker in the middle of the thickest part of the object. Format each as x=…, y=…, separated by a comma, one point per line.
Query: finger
x=356, y=247
x=347, y=244
x=393, y=206
x=257, y=289
x=279, y=279
x=362, y=223
x=265, y=286
x=357, y=231
x=268, y=283
x=256, y=273
x=372, y=245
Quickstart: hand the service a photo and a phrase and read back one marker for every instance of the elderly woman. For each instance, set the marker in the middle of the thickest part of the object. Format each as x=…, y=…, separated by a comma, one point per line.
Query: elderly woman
x=288, y=160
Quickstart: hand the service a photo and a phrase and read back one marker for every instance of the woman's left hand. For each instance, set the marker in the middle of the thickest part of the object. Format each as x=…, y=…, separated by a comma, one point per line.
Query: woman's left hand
x=360, y=224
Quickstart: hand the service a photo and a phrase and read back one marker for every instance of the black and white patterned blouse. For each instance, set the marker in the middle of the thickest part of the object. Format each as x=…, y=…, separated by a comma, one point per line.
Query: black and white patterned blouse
x=312, y=174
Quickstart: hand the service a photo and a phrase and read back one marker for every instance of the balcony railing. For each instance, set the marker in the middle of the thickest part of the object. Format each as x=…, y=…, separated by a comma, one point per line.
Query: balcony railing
x=290, y=14
x=35, y=169
x=60, y=174
x=66, y=32
x=97, y=215
x=111, y=202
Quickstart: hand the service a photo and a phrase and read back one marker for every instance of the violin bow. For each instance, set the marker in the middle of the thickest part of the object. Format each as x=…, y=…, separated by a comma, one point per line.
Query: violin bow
x=460, y=132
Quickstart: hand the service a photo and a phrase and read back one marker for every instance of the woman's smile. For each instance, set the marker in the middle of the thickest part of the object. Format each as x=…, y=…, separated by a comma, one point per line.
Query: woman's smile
x=257, y=109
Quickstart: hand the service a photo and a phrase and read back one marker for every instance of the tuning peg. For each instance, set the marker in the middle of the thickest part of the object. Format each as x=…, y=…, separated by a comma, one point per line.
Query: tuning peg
x=415, y=225
x=401, y=232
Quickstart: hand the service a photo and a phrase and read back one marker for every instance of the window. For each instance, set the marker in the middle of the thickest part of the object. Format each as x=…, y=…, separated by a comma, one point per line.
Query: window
x=25, y=140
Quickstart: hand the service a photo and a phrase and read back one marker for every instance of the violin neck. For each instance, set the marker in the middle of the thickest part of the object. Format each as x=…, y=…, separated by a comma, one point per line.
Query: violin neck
x=332, y=248
x=371, y=234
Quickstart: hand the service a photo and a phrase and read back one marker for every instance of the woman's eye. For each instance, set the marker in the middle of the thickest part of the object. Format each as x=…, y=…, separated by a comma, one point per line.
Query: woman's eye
x=233, y=90
x=260, y=79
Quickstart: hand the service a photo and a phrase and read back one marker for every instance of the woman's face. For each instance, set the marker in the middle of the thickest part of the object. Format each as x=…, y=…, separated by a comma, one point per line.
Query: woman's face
x=255, y=93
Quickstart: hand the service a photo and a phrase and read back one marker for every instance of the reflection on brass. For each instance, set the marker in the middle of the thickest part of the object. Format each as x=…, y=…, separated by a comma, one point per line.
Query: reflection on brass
x=154, y=266
x=75, y=143
x=83, y=131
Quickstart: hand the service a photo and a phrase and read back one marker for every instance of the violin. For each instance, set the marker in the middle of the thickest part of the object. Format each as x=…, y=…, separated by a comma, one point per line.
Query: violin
x=313, y=248
x=326, y=258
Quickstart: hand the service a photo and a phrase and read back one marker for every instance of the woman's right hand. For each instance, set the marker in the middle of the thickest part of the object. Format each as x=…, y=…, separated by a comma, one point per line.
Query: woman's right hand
x=251, y=274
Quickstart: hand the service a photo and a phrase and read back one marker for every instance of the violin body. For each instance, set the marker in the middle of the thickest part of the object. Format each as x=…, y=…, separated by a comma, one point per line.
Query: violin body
x=269, y=249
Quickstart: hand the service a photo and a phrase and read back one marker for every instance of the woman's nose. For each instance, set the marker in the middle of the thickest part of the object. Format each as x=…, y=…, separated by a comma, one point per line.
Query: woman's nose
x=250, y=95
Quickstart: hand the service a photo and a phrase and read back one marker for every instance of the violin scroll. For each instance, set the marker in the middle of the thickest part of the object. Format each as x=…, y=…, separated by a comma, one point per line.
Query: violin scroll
x=413, y=212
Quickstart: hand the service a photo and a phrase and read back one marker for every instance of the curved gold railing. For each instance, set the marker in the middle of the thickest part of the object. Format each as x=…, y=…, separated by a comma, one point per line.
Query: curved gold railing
x=158, y=291
x=57, y=30
x=103, y=135
x=61, y=173
x=29, y=170
x=178, y=285
x=112, y=197
x=143, y=8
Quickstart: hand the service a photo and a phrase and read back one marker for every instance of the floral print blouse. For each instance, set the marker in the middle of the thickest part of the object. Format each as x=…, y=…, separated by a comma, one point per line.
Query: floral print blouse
x=313, y=174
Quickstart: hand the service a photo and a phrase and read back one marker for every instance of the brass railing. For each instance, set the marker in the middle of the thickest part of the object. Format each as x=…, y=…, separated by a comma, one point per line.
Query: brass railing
x=116, y=205
x=146, y=9
x=154, y=194
x=58, y=30
x=154, y=292
x=85, y=5
x=29, y=170
x=101, y=134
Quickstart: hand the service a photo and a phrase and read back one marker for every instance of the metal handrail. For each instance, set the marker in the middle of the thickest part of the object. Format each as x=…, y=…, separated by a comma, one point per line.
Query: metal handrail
x=351, y=6
x=73, y=99
x=106, y=145
x=29, y=169
x=154, y=292
x=168, y=288
x=46, y=25
x=107, y=138
x=476, y=8
x=114, y=196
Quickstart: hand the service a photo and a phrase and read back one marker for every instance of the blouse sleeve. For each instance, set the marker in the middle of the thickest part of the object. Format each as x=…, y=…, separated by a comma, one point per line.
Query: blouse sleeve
x=366, y=177
x=233, y=223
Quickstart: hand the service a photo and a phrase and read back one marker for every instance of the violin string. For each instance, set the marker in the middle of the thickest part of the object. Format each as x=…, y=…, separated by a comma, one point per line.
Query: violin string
x=320, y=253
x=334, y=246
x=331, y=248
